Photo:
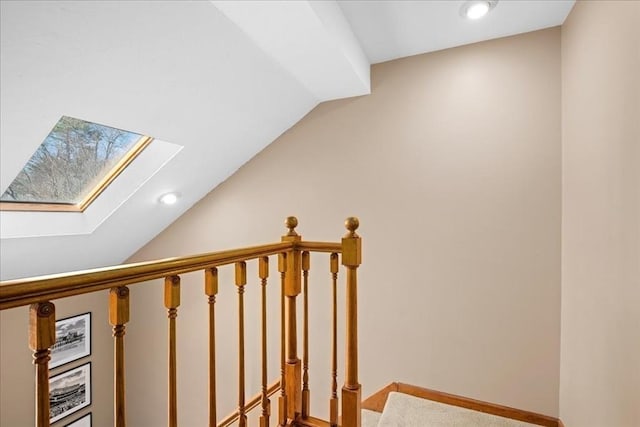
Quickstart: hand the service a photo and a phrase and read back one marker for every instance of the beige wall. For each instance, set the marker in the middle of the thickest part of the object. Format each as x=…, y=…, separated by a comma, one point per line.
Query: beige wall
x=453, y=166
x=600, y=375
x=17, y=389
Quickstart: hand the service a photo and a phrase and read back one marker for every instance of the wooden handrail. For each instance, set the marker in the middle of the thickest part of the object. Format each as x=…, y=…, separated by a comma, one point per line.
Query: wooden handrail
x=251, y=404
x=319, y=247
x=19, y=292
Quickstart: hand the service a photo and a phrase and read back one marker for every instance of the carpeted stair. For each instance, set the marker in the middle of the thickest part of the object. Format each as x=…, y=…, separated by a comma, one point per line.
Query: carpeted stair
x=403, y=410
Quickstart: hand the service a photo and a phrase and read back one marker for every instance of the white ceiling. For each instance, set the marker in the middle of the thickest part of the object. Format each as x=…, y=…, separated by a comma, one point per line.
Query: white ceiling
x=394, y=29
x=220, y=79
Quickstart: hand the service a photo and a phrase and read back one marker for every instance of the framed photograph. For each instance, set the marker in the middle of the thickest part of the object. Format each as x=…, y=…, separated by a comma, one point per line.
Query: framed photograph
x=81, y=422
x=73, y=340
x=69, y=392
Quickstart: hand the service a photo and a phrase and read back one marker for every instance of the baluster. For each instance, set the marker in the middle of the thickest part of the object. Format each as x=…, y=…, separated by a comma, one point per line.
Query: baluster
x=118, y=317
x=333, y=402
x=263, y=272
x=42, y=335
x=241, y=280
x=351, y=392
x=171, y=302
x=211, y=290
x=306, y=265
x=292, y=287
x=282, y=400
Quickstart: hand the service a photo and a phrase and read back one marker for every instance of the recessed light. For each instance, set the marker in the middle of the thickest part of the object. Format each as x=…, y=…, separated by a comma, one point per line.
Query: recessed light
x=168, y=199
x=476, y=9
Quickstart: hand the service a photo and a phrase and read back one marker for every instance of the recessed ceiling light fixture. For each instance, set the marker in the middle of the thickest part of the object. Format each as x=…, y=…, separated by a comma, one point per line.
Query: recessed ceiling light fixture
x=168, y=199
x=476, y=9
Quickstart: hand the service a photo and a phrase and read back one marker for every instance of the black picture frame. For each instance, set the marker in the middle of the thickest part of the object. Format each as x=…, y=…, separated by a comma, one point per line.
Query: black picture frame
x=84, y=421
x=73, y=340
x=69, y=392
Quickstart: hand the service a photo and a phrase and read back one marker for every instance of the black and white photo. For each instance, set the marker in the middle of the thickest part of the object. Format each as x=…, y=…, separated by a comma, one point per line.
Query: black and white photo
x=81, y=422
x=73, y=340
x=69, y=392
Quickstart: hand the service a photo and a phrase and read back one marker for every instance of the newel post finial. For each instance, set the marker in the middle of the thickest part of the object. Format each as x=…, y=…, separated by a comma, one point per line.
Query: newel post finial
x=351, y=224
x=291, y=223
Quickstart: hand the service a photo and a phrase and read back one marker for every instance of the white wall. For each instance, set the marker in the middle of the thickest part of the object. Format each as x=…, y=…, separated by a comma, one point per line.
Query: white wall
x=600, y=368
x=453, y=166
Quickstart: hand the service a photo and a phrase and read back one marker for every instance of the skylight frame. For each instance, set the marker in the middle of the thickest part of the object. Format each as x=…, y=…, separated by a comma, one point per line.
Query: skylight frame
x=113, y=173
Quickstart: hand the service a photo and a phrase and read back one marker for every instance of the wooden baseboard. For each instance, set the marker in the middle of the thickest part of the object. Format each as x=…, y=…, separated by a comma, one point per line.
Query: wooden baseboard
x=377, y=401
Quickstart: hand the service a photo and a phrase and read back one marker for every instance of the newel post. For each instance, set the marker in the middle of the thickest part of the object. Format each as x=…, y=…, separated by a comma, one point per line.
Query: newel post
x=292, y=288
x=351, y=392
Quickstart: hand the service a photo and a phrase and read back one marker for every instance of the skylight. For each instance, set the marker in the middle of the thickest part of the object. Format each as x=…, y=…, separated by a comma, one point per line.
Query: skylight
x=74, y=164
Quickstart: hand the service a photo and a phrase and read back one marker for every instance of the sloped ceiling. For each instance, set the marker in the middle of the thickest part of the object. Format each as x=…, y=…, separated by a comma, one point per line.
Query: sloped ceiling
x=213, y=82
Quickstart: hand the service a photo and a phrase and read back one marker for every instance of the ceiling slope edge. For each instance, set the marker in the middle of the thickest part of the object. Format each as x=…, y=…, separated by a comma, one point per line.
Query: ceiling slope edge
x=313, y=41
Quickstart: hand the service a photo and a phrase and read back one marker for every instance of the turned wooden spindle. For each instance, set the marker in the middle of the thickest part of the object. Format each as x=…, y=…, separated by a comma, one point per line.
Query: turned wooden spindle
x=211, y=290
x=263, y=273
x=293, y=365
x=241, y=281
x=171, y=302
x=42, y=335
x=118, y=318
x=351, y=392
x=282, y=399
x=306, y=265
x=333, y=401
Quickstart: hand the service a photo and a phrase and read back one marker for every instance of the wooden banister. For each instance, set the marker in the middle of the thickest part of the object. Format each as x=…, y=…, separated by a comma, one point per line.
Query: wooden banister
x=241, y=281
x=306, y=393
x=263, y=273
x=293, y=265
x=333, y=401
x=211, y=290
x=172, y=302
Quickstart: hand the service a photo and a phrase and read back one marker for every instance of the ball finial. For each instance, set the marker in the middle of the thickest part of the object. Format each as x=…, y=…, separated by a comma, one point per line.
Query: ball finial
x=122, y=291
x=46, y=309
x=291, y=222
x=352, y=223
